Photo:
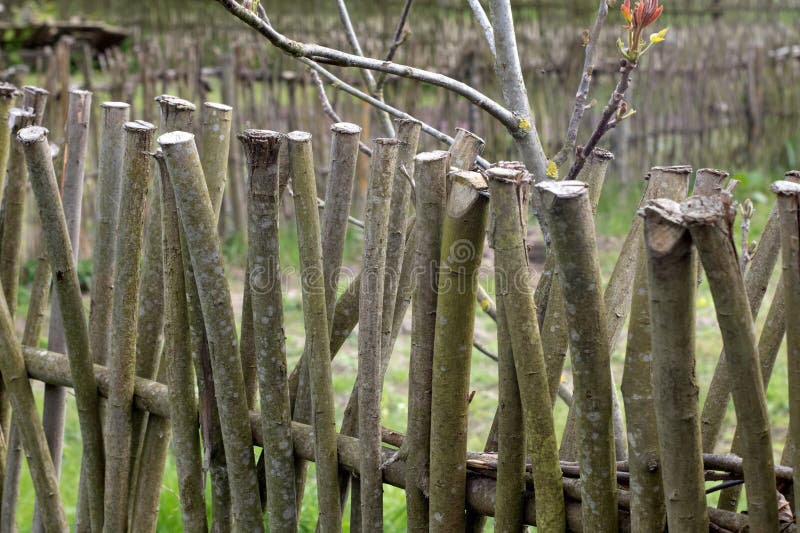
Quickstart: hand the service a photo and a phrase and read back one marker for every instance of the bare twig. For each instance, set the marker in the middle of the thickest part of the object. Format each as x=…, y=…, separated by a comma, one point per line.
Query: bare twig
x=400, y=35
x=483, y=22
x=336, y=57
x=607, y=121
x=328, y=109
x=581, y=98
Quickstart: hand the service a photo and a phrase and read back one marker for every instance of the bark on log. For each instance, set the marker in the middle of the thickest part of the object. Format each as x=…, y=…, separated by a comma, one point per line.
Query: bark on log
x=710, y=222
x=671, y=267
x=569, y=213
x=197, y=220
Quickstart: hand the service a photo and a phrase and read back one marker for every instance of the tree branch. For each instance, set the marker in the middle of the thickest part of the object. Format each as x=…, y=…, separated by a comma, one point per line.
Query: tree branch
x=483, y=22
x=328, y=109
x=518, y=126
x=399, y=38
x=607, y=121
x=353, y=91
x=581, y=97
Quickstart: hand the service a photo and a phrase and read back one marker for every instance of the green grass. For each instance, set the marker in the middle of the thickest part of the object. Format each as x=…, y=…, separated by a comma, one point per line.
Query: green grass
x=615, y=212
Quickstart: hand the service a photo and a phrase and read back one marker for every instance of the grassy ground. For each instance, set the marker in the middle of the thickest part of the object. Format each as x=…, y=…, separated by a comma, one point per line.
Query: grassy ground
x=614, y=215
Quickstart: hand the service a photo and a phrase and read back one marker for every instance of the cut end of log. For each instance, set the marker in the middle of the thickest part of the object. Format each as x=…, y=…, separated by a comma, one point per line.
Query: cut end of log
x=467, y=133
x=115, y=105
x=603, y=155
x=786, y=188
x=428, y=157
x=792, y=175
x=299, y=137
x=467, y=187
x=20, y=117
x=173, y=137
x=708, y=181
x=674, y=169
x=346, y=128
x=8, y=90
x=551, y=190
x=507, y=175
x=258, y=136
x=216, y=106
x=385, y=141
x=138, y=126
x=663, y=226
x=401, y=122
x=702, y=210
x=80, y=93
x=32, y=134
x=173, y=102
x=34, y=90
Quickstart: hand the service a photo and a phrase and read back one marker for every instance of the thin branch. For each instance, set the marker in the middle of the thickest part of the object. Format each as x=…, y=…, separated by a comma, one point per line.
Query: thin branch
x=352, y=38
x=581, y=98
x=483, y=22
x=328, y=109
x=353, y=91
x=400, y=35
x=515, y=125
x=607, y=121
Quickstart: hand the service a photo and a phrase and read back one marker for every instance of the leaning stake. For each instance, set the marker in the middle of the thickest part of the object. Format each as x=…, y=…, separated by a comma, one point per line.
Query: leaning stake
x=197, y=220
x=518, y=316
x=710, y=220
x=65, y=280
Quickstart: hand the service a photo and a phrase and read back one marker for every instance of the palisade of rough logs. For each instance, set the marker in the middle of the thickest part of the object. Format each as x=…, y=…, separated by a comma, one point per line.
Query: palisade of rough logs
x=159, y=358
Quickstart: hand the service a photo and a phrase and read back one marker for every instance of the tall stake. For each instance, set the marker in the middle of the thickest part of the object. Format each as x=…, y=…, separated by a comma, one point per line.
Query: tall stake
x=197, y=220
x=518, y=316
x=672, y=274
x=136, y=179
x=65, y=280
x=261, y=150
x=71, y=185
x=647, y=495
x=8, y=94
x=180, y=369
x=301, y=163
x=788, y=194
x=430, y=175
x=710, y=221
x=370, y=311
x=109, y=177
x=463, y=231
x=569, y=213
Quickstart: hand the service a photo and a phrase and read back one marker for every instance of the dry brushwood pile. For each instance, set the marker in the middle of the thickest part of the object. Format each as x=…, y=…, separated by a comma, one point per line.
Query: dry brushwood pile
x=230, y=408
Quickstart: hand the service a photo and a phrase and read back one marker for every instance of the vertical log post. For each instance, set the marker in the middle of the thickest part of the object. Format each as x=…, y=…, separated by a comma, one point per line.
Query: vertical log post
x=262, y=150
x=518, y=318
x=569, y=213
x=136, y=179
x=301, y=162
x=463, y=230
x=380, y=191
x=430, y=177
x=647, y=495
x=788, y=194
x=672, y=274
